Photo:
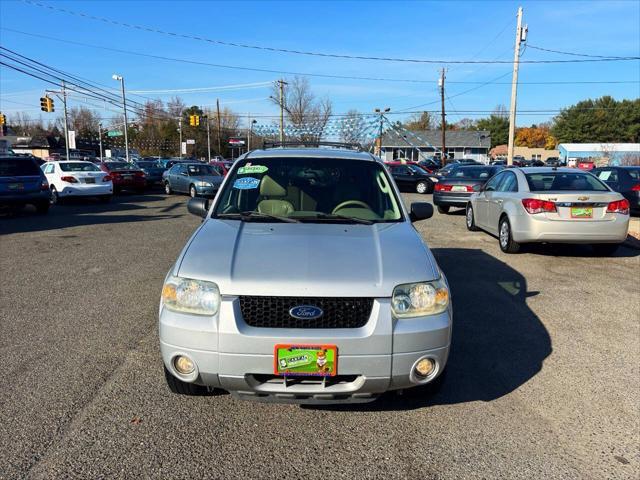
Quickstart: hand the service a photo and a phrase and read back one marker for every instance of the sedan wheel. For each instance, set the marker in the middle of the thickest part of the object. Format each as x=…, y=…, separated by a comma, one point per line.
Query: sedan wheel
x=167, y=188
x=192, y=191
x=471, y=223
x=422, y=187
x=507, y=244
x=54, y=195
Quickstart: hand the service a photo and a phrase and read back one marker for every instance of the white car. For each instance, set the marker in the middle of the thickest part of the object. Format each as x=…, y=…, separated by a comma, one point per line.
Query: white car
x=555, y=205
x=77, y=179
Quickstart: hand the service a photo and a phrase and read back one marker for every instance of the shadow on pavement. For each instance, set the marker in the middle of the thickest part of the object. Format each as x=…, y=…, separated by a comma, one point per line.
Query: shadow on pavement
x=498, y=342
x=82, y=212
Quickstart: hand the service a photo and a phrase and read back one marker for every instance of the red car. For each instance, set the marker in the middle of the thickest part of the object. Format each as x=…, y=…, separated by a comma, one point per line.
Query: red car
x=125, y=176
x=221, y=167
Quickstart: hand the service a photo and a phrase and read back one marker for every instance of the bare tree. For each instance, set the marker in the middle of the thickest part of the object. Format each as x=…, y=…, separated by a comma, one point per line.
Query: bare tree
x=83, y=121
x=420, y=121
x=306, y=113
x=354, y=128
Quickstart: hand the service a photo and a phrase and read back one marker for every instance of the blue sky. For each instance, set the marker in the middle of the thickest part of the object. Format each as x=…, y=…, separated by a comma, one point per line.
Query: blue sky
x=427, y=30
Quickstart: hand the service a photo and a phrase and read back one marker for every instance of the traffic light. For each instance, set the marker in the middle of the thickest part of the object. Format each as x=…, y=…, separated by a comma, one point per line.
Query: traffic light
x=3, y=119
x=194, y=120
x=46, y=104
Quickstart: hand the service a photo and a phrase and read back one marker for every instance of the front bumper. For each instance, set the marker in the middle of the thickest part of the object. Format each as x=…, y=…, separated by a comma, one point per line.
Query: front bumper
x=238, y=358
x=206, y=191
x=451, y=200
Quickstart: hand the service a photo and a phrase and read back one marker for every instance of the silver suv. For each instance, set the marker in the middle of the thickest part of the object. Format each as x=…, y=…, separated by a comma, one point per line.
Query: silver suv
x=305, y=283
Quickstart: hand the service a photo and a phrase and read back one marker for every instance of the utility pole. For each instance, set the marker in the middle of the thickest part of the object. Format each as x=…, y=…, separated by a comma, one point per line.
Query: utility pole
x=249, y=128
x=521, y=35
x=208, y=139
x=443, y=122
x=379, y=141
x=180, y=130
x=124, y=108
x=219, y=129
x=100, y=138
x=282, y=83
x=66, y=123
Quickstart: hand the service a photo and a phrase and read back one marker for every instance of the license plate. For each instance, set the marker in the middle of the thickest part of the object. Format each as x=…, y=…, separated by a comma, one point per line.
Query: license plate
x=310, y=360
x=89, y=180
x=127, y=177
x=458, y=188
x=581, y=212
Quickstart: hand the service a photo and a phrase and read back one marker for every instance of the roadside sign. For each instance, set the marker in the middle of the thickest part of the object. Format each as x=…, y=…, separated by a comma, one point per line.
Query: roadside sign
x=72, y=139
x=114, y=133
x=236, y=142
x=183, y=148
x=191, y=141
x=107, y=153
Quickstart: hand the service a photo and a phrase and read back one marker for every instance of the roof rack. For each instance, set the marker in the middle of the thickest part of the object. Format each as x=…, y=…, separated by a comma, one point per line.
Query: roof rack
x=311, y=144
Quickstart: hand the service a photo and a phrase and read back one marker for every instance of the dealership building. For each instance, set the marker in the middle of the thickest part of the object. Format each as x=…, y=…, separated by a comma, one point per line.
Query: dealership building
x=611, y=153
x=473, y=144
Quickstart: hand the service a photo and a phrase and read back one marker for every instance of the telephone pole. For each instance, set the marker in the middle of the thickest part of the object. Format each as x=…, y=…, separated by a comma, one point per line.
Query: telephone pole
x=219, y=129
x=521, y=35
x=180, y=131
x=443, y=122
x=66, y=123
x=282, y=83
x=208, y=138
x=100, y=138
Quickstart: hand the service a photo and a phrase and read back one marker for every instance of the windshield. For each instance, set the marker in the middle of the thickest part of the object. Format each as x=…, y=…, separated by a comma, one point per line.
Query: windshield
x=197, y=170
x=564, y=181
x=472, y=172
x=10, y=167
x=78, y=167
x=149, y=164
x=310, y=190
x=415, y=169
x=119, y=166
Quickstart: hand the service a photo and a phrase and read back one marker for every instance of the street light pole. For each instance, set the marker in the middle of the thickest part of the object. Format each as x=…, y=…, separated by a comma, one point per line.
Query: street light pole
x=208, y=139
x=100, y=138
x=180, y=132
x=124, y=108
x=381, y=113
x=66, y=123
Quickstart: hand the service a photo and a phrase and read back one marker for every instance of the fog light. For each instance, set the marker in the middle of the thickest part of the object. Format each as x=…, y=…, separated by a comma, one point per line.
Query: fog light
x=425, y=367
x=183, y=365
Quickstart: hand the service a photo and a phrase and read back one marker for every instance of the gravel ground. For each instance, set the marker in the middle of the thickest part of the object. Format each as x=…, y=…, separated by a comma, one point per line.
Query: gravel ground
x=543, y=378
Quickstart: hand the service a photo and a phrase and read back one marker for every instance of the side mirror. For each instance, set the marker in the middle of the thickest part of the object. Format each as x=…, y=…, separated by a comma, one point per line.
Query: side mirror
x=421, y=211
x=198, y=206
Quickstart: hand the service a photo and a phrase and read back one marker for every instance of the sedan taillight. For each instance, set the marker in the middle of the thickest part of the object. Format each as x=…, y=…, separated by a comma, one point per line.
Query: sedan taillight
x=534, y=205
x=69, y=179
x=106, y=178
x=636, y=188
x=619, y=206
x=442, y=188
x=139, y=174
x=44, y=185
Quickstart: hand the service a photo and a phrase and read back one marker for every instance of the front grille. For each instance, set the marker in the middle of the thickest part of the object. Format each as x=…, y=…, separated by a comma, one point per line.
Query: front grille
x=273, y=312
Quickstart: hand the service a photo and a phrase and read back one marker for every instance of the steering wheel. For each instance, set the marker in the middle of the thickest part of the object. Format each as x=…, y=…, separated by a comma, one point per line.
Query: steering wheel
x=351, y=202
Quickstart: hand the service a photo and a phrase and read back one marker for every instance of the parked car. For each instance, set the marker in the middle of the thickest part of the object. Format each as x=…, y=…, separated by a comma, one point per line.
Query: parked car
x=447, y=169
x=563, y=205
x=294, y=288
x=455, y=189
x=498, y=162
x=468, y=161
x=196, y=179
x=431, y=166
x=23, y=183
x=152, y=169
x=77, y=179
x=553, y=162
x=411, y=177
x=125, y=176
x=625, y=180
x=585, y=164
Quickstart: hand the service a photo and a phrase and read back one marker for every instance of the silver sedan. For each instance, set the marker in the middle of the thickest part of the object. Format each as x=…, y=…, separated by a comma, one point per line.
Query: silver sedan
x=556, y=205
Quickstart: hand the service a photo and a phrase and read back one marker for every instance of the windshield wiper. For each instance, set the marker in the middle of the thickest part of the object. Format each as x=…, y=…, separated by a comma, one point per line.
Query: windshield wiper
x=253, y=214
x=334, y=216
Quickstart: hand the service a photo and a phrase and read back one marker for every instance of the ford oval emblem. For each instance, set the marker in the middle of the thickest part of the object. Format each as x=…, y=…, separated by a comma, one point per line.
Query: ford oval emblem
x=306, y=312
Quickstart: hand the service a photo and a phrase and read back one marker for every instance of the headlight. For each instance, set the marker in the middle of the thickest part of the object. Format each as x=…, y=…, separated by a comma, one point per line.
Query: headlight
x=418, y=299
x=191, y=296
x=205, y=184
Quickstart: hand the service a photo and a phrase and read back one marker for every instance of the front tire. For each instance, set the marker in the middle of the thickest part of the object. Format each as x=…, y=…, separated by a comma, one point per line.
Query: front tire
x=605, y=249
x=183, y=388
x=505, y=238
x=193, y=193
x=471, y=221
x=167, y=188
x=55, y=198
x=444, y=209
x=422, y=187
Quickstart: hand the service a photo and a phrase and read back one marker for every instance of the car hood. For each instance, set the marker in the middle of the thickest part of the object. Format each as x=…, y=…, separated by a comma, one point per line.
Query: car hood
x=304, y=259
x=215, y=179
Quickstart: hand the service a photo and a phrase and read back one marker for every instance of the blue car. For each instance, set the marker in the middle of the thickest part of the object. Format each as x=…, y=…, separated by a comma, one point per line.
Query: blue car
x=152, y=169
x=22, y=183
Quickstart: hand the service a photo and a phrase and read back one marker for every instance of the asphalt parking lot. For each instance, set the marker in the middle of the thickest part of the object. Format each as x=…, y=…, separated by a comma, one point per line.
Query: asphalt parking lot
x=543, y=380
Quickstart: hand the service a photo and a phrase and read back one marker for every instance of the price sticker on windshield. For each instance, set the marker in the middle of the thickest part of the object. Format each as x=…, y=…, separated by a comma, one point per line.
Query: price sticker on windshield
x=252, y=169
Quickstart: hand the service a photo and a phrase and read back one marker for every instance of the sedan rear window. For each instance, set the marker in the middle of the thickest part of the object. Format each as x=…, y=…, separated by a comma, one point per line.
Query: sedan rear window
x=472, y=172
x=564, y=181
x=78, y=167
x=10, y=167
x=634, y=172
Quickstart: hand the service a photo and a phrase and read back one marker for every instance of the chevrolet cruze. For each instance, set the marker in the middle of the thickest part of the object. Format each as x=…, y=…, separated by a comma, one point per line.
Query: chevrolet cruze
x=306, y=282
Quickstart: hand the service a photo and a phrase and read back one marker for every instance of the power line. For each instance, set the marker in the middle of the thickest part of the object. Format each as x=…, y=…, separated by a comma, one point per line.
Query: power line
x=112, y=21
x=575, y=54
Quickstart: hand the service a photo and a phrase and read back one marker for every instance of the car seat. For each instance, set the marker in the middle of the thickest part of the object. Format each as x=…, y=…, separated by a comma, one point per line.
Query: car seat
x=269, y=189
